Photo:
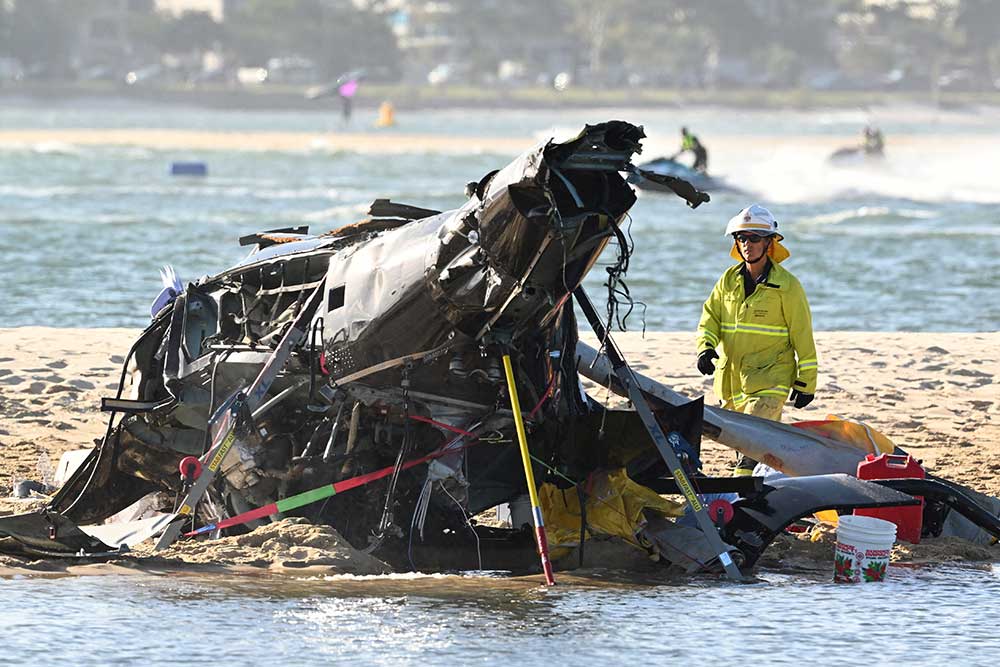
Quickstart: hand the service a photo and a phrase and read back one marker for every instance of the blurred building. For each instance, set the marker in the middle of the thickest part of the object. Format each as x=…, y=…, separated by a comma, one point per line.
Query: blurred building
x=215, y=8
x=423, y=30
x=460, y=42
x=112, y=38
x=103, y=37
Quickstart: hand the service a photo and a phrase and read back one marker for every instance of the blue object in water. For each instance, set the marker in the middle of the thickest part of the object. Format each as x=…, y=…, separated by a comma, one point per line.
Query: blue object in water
x=188, y=169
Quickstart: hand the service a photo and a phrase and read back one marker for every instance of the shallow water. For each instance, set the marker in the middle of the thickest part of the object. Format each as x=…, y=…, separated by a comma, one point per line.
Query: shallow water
x=908, y=245
x=928, y=616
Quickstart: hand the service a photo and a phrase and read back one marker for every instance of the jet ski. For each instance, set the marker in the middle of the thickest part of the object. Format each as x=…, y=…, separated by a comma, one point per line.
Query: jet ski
x=855, y=155
x=665, y=166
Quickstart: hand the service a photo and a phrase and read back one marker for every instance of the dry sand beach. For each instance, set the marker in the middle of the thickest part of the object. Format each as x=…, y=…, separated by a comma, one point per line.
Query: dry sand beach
x=167, y=139
x=934, y=394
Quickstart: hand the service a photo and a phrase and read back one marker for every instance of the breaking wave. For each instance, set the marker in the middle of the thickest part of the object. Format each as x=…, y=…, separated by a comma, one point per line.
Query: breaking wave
x=918, y=169
x=860, y=213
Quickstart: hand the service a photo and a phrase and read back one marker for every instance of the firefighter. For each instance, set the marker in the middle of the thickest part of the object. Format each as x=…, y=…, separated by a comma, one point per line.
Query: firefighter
x=758, y=315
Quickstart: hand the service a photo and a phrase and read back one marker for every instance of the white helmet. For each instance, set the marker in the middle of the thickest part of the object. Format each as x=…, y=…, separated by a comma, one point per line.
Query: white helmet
x=754, y=218
x=757, y=220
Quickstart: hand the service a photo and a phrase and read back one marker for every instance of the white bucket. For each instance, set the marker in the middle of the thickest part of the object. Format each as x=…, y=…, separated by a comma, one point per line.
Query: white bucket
x=864, y=544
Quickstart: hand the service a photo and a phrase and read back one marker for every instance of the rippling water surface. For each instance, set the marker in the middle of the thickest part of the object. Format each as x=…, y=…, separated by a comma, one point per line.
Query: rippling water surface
x=919, y=617
x=907, y=245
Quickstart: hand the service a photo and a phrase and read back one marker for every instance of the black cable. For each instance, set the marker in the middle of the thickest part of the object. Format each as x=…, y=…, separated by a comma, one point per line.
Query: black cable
x=206, y=441
x=619, y=295
x=111, y=421
x=404, y=449
x=582, y=499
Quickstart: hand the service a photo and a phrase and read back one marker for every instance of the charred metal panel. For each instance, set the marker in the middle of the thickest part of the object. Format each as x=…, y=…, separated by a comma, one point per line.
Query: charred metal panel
x=387, y=310
x=758, y=519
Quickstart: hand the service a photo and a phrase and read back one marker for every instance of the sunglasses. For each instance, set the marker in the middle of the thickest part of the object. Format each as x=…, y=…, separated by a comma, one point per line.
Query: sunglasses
x=748, y=238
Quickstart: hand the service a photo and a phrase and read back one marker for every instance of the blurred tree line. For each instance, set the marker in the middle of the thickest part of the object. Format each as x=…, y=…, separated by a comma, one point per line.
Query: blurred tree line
x=335, y=36
x=687, y=43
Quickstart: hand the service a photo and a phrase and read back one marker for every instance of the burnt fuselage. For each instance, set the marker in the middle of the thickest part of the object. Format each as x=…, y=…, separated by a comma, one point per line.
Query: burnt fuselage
x=418, y=306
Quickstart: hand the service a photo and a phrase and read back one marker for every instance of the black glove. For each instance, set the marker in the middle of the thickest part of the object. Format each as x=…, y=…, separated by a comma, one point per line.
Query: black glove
x=705, y=363
x=801, y=400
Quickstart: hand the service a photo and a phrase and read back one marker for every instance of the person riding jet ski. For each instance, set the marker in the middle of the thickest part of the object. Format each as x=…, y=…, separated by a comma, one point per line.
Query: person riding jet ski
x=690, y=142
x=874, y=142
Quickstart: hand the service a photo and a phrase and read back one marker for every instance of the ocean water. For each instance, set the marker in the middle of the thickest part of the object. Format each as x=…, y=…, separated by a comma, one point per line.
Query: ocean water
x=905, y=245
x=928, y=616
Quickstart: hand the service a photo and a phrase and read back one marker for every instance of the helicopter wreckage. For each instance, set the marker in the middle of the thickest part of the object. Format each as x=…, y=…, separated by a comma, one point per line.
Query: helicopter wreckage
x=369, y=378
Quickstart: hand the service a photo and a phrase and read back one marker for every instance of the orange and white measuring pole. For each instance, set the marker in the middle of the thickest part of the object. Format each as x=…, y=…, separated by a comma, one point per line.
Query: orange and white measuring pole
x=536, y=508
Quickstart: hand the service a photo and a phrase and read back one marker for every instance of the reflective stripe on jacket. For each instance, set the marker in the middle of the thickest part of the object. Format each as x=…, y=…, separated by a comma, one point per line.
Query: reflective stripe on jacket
x=766, y=339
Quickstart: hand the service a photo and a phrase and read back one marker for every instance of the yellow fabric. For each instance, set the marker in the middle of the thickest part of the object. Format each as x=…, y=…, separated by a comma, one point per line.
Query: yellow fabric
x=614, y=507
x=858, y=434
x=766, y=340
x=827, y=516
x=765, y=407
x=777, y=252
x=386, y=115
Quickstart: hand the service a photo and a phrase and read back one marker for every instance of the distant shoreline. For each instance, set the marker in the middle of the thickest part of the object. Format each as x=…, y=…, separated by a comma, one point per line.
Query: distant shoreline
x=429, y=97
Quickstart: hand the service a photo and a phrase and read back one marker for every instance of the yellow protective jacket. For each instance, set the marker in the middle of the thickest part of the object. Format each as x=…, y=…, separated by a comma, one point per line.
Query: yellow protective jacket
x=766, y=339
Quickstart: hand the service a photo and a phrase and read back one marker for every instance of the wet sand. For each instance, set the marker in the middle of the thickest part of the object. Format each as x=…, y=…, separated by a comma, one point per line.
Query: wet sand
x=933, y=394
x=362, y=142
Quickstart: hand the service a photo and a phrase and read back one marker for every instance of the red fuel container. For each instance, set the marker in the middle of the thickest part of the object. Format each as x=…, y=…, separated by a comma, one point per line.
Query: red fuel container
x=909, y=520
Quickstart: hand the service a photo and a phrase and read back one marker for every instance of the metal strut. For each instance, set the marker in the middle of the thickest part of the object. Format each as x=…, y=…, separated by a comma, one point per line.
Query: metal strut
x=628, y=379
x=227, y=416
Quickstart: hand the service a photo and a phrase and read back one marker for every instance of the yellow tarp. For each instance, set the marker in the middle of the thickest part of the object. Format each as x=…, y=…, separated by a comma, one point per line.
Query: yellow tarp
x=858, y=434
x=614, y=505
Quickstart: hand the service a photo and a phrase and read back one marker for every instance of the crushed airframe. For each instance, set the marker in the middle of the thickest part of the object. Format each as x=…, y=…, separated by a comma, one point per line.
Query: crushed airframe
x=370, y=357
